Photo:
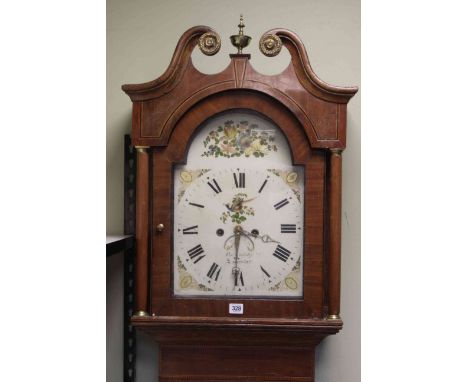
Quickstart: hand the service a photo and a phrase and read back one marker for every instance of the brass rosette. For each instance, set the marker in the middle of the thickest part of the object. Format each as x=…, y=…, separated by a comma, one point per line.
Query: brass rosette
x=270, y=45
x=209, y=43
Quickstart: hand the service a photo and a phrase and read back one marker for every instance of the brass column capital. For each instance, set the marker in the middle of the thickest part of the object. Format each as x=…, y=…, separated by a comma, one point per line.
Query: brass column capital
x=336, y=151
x=141, y=149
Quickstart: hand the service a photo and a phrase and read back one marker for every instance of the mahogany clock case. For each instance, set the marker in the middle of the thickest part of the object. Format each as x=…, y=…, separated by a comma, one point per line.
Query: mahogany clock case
x=312, y=116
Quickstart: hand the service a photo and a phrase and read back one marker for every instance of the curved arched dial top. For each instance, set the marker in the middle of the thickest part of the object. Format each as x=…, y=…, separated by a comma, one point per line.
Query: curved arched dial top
x=239, y=231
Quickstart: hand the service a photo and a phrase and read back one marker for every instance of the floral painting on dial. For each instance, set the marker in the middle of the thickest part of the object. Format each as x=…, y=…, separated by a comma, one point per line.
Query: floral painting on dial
x=237, y=211
x=239, y=139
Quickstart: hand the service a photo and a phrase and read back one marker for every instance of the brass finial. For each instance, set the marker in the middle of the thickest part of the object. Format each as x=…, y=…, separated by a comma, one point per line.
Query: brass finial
x=240, y=41
x=241, y=25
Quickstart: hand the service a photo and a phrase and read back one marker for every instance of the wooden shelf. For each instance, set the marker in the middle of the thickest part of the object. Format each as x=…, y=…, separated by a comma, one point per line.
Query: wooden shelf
x=118, y=243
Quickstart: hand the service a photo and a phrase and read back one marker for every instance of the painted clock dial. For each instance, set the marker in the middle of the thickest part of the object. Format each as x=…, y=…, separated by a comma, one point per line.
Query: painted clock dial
x=238, y=212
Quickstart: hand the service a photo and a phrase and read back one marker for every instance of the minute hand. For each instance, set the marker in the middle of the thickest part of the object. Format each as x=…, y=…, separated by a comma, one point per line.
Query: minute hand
x=235, y=270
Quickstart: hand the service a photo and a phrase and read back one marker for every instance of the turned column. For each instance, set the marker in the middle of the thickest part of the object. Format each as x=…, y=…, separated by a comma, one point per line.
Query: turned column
x=334, y=239
x=141, y=231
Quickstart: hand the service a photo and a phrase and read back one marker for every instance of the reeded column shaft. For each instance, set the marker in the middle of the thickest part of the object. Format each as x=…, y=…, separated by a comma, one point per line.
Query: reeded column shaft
x=141, y=231
x=334, y=244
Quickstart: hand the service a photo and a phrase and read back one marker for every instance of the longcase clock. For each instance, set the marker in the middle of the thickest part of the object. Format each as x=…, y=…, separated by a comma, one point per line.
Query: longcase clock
x=238, y=212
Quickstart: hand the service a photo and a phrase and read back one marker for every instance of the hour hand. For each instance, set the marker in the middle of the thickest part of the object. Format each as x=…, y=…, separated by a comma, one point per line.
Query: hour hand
x=237, y=204
x=229, y=207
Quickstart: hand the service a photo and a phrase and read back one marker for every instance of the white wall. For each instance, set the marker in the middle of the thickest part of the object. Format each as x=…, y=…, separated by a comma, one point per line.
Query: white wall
x=141, y=37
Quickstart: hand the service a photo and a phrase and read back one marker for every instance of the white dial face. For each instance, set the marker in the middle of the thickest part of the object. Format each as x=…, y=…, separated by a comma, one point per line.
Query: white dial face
x=238, y=212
